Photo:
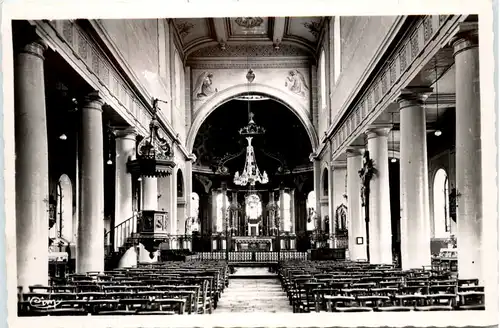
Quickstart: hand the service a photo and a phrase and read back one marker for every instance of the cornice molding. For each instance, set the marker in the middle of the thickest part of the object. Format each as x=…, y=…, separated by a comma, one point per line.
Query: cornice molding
x=129, y=92
x=380, y=52
x=255, y=63
x=422, y=41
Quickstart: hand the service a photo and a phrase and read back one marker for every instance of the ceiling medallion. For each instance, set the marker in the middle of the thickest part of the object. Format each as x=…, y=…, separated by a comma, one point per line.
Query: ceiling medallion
x=249, y=22
x=155, y=157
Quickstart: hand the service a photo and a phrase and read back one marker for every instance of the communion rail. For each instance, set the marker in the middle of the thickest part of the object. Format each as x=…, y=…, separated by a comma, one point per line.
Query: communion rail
x=248, y=256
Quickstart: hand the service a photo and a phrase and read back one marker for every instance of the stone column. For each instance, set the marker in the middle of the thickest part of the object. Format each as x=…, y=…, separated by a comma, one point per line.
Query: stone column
x=125, y=150
x=292, y=216
x=380, y=206
x=468, y=152
x=414, y=181
x=214, y=218
x=317, y=190
x=32, y=165
x=282, y=217
x=339, y=172
x=90, y=250
x=355, y=212
x=150, y=193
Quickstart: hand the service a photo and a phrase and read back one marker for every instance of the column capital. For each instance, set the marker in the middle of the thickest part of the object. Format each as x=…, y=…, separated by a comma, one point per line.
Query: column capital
x=466, y=37
x=128, y=132
x=378, y=131
x=338, y=164
x=353, y=151
x=35, y=47
x=29, y=42
x=413, y=96
x=93, y=101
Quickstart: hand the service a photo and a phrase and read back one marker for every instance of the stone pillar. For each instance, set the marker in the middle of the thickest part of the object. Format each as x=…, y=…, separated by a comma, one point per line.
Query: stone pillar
x=214, y=211
x=414, y=181
x=282, y=209
x=468, y=153
x=355, y=212
x=317, y=190
x=380, y=206
x=125, y=150
x=90, y=250
x=339, y=172
x=224, y=207
x=292, y=218
x=282, y=218
x=32, y=166
x=150, y=194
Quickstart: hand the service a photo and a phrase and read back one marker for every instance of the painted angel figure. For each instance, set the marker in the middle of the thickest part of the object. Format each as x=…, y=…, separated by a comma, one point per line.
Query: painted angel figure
x=203, y=87
x=296, y=83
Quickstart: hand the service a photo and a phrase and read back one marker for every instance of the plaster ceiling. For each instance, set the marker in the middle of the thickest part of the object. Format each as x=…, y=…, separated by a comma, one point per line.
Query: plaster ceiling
x=273, y=32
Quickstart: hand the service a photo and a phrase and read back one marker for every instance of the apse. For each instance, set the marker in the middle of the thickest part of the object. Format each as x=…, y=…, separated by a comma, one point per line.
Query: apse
x=282, y=150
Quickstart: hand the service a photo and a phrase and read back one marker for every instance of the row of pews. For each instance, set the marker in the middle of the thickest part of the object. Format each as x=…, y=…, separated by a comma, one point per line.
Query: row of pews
x=165, y=288
x=316, y=286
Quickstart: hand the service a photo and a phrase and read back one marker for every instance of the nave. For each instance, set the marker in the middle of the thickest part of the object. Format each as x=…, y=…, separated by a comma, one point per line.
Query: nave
x=188, y=288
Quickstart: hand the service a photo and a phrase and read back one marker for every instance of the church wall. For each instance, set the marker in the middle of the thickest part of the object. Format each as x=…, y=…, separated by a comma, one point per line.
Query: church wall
x=361, y=37
x=279, y=78
x=138, y=42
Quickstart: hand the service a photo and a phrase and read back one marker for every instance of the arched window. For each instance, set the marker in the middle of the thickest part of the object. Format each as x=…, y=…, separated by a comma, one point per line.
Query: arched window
x=221, y=212
x=180, y=184
x=311, y=211
x=195, y=211
x=287, y=219
x=322, y=72
x=64, y=220
x=441, y=205
x=325, y=182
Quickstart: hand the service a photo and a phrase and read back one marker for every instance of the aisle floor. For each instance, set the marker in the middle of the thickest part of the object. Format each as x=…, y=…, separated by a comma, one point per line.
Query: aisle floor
x=253, y=295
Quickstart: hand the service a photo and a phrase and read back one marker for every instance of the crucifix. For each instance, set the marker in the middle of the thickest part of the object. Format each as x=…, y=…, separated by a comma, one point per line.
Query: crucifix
x=366, y=173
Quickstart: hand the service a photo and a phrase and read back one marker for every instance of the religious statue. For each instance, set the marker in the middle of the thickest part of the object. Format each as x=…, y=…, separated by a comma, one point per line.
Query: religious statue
x=296, y=83
x=366, y=174
x=203, y=87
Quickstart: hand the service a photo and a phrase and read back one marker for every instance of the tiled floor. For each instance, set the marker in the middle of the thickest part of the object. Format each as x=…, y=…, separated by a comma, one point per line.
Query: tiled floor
x=254, y=295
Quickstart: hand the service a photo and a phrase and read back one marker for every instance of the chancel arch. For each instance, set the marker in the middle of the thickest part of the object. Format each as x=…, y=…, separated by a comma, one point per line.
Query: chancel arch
x=233, y=92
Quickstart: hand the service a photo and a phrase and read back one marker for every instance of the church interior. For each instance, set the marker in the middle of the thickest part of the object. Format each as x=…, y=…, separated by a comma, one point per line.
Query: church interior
x=183, y=166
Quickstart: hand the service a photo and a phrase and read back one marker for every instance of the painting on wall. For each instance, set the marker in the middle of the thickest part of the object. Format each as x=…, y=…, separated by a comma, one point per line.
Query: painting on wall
x=296, y=83
x=203, y=86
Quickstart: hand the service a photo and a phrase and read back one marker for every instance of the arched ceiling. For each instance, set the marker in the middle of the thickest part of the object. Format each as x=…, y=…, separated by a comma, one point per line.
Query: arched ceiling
x=285, y=141
x=299, y=36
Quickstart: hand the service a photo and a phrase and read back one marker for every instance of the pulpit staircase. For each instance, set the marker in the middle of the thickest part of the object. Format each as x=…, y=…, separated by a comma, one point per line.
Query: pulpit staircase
x=123, y=235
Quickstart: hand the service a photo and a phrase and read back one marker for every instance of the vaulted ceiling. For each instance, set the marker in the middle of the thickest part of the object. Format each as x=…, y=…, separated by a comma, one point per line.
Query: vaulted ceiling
x=225, y=37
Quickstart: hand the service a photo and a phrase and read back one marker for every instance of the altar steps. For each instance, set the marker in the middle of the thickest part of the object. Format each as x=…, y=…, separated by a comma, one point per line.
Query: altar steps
x=256, y=294
x=264, y=271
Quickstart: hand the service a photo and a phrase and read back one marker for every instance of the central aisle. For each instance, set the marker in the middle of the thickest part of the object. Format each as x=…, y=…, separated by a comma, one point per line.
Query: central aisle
x=257, y=291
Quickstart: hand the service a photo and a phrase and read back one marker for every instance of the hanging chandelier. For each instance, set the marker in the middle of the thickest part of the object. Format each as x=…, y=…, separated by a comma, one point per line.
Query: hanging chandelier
x=251, y=173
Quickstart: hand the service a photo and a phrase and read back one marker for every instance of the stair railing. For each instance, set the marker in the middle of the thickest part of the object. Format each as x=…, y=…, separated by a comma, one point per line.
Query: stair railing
x=121, y=233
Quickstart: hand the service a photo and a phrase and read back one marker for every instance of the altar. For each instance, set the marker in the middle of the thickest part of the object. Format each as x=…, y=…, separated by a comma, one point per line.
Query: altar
x=255, y=244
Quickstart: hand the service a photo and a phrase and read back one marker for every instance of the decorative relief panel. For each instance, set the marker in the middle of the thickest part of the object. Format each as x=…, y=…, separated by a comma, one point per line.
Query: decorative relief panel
x=68, y=32
x=249, y=50
x=389, y=75
x=207, y=83
x=403, y=64
x=414, y=45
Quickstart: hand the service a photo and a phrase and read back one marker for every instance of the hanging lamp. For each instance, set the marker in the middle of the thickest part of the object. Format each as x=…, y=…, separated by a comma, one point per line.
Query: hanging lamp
x=438, y=132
